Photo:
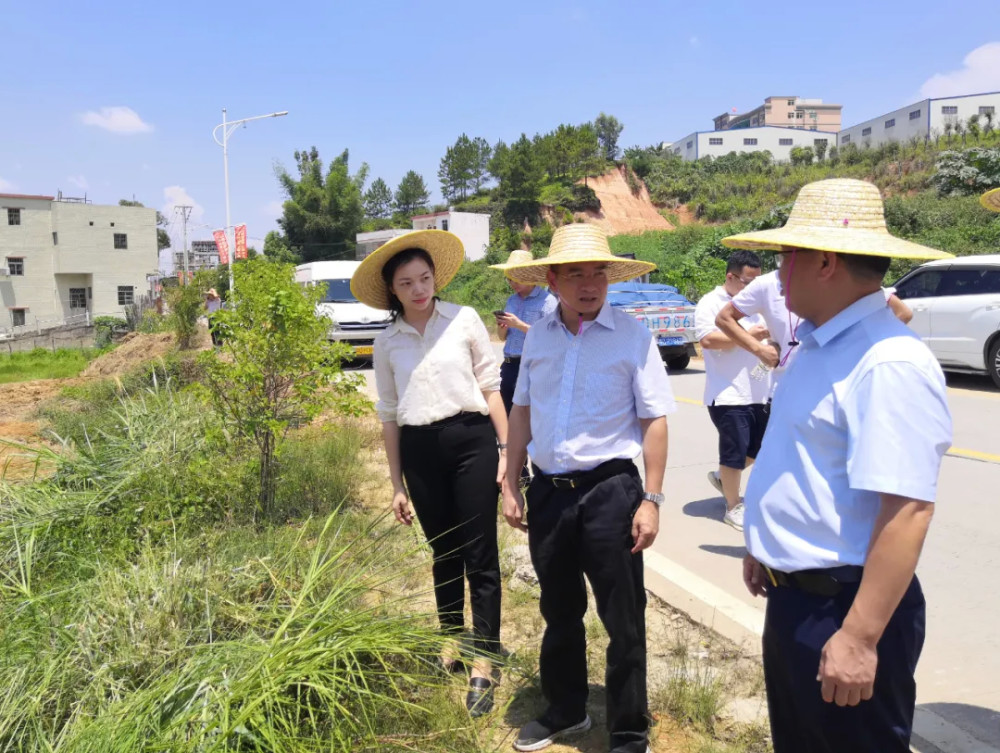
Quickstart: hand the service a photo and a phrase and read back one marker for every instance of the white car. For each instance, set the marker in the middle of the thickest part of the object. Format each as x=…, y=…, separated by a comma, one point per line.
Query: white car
x=956, y=311
x=351, y=320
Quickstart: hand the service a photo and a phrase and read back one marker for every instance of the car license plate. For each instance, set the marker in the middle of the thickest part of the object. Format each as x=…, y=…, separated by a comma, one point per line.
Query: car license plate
x=362, y=350
x=670, y=341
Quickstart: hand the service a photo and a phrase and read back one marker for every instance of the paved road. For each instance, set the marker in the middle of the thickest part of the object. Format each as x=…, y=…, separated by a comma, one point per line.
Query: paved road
x=957, y=675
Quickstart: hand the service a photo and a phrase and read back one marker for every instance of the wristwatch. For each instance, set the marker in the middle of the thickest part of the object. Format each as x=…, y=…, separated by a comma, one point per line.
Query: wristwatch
x=656, y=499
x=501, y=446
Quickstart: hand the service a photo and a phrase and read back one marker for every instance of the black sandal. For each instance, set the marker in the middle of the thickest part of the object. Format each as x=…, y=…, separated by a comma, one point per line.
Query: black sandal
x=479, y=701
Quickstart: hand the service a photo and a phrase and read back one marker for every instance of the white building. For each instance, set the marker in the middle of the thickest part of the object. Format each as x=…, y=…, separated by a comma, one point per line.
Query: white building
x=66, y=261
x=778, y=141
x=922, y=120
x=201, y=255
x=472, y=229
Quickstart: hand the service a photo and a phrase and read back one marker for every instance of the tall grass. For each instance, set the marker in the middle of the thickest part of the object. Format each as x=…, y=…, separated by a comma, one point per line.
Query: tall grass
x=45, y=364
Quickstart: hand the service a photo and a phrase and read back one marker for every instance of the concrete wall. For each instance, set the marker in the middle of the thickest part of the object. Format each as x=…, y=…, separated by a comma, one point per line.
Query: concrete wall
x=53, y=339
x=71, y=245
x=921, y=120
x=474, y=230
x=966, y=106
x=778, y=141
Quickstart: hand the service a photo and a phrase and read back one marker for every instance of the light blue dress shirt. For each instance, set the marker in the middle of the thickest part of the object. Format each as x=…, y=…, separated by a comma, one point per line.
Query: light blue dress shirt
x=862, y=410
x=529, y=310
x=587, y=392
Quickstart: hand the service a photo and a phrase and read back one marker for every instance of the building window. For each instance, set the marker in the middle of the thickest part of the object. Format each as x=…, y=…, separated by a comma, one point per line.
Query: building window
x=749, y=142
x=78, y=298
x=817, y=142
x=15, y=266
x=715, y=142
x=444, y=224
x=126, y=295
x=949, y=109
x=987, y=110
x=791, y=116
x=121, y=241
x=799, y=115
x=914, y=114
x=890, y=123
x=55, y=238
x=866, y=131
x=690, y=144
x=13, y=216
x=845, y=139
x=791, y=103
x=17, y=317
x=784, y=142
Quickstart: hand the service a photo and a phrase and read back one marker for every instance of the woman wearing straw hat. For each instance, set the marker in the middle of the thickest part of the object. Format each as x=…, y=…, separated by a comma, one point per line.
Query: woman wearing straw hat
x=526, y=305
x=843, y=490
x=592, y=394
x=441, y=412
x=213, y=304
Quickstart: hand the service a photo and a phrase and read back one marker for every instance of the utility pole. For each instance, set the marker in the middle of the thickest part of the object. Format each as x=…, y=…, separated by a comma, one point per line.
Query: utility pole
x=185, y=211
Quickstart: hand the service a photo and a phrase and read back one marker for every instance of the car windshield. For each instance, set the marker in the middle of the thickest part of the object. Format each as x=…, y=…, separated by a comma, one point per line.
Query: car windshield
x=337, y=291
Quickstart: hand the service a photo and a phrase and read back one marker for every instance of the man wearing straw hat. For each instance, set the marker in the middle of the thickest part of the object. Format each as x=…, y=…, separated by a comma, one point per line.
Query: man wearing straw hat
x=526, y=305
x=842, y=494
x=592, y=394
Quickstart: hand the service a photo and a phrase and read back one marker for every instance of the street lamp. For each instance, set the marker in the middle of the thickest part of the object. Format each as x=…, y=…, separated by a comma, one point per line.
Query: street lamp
x=228, y=127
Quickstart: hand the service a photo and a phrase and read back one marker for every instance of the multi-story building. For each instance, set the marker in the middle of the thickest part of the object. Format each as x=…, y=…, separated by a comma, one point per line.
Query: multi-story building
x=778, y=141
x=785, y=112
x=201, y=255
x=67, y=260
x=923, y=120
x=473, y=230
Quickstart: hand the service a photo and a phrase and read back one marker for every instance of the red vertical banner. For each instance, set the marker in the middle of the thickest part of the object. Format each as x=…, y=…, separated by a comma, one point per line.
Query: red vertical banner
x=223, y=245
x=241, y=241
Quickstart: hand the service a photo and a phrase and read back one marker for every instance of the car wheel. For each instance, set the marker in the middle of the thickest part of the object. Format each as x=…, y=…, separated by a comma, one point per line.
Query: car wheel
x=679, y=363
x=993, y=361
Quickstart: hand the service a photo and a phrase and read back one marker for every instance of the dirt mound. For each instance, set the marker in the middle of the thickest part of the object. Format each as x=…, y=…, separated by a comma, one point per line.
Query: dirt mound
x=134, y=350
x=18, y=400
x=622, y=212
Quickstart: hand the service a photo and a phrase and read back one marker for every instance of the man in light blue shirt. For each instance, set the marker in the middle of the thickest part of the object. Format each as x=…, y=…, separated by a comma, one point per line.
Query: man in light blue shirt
x=842, y=494
x=592, y=394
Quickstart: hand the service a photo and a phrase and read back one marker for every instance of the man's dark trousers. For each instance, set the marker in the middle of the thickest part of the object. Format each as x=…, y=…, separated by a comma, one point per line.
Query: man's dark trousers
x=572, y=532
x=796, y=628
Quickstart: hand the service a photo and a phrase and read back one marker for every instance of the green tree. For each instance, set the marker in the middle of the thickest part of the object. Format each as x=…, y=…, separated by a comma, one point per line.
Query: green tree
x=323, y=213
x=162, y=238
x=275, y=363
x=276, y=249
x=973, y=127
x=520, y=175
x=412, y=194
x=378, y=200
x=480, y=166
x=820, y=149
x=949, y=128
x=456, y=169
x=608, y=128
x=967, y=173
x=988, y=116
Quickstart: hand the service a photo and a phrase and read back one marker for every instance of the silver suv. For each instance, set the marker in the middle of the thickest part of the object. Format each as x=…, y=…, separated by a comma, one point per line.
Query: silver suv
x=956, y=311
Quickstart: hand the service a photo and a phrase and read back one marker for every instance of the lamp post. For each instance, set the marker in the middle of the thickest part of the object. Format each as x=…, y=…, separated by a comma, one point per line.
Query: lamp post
x=228, y=127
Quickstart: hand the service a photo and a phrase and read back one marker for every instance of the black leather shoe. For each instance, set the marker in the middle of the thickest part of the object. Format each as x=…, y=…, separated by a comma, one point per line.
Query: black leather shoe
x=479, y=701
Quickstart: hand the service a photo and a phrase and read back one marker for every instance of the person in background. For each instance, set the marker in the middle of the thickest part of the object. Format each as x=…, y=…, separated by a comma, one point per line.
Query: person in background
x=735, y=397
x=843, y=491
x=445, y=432
x=213, y=303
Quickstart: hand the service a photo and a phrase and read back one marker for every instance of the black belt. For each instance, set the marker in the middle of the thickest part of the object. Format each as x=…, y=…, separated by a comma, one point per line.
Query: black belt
x=512, y=359
x=584, y=479
x=825, y=582
x=457, y=418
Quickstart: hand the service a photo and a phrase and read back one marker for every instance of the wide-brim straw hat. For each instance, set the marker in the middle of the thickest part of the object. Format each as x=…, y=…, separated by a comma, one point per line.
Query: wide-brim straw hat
x=577, y=244
x=444, y=248
x=840, y=215
x=991, y=200
x=518, y=256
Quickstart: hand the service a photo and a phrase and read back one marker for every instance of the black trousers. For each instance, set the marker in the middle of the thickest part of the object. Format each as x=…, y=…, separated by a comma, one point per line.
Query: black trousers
x=450, y=470
x=577, y=532
x=796, y=628
x=508, y=381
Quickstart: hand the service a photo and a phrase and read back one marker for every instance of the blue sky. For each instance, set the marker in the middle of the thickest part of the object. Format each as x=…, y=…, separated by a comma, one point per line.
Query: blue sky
x=119, y=99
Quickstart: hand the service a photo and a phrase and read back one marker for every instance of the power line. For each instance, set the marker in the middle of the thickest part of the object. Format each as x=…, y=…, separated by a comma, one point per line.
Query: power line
x=185, y=210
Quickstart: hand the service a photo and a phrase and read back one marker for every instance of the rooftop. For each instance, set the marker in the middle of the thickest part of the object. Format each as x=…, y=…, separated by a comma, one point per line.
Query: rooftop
x=26, y=196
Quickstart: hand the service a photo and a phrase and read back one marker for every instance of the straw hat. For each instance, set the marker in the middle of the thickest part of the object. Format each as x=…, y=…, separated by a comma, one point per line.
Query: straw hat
x=211, y=293
x=519, y=256
x=576, y=244
x=991, y=200
x=844, y=216
x=444, y=248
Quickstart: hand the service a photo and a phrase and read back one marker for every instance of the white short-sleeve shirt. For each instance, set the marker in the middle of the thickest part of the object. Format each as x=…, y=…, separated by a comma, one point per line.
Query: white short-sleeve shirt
x=421, y=379
x=728, y=379
x=862, y=411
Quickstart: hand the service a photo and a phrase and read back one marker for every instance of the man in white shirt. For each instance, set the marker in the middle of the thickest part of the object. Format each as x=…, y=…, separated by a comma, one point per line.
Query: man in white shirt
x=843, y=490
x=736, y=396
x=591, y=395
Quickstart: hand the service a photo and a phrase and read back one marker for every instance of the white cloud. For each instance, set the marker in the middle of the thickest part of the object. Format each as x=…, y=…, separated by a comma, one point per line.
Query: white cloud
x=6, y=185
x=694, y=42
x=79, y=181
x=980, y=73
x=116, y=120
